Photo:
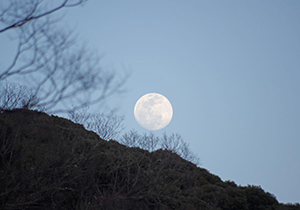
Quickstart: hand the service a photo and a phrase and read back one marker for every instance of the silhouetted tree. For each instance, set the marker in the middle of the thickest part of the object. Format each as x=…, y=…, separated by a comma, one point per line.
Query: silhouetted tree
x=144, y=141
x=173, y=143
x=51, y=163
x=79, y=115
x=107, y=126
x=14, y=96
x=131, y=139
x=49, y=59
x=149, y=141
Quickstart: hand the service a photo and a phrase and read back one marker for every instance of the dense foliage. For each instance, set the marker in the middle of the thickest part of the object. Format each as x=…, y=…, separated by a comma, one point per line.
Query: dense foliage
x=52, y=163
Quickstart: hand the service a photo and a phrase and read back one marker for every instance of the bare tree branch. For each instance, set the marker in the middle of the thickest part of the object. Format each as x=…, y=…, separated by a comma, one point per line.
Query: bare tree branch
x=48, y=58
x=31, y=14
x=14, y=96
x=107, y=126
x=173, y=143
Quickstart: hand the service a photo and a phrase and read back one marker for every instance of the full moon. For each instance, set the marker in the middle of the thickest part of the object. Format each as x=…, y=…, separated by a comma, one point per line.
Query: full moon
x=153, y=111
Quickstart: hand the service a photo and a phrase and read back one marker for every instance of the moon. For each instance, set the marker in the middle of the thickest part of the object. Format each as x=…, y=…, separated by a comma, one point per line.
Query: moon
x=153, y=111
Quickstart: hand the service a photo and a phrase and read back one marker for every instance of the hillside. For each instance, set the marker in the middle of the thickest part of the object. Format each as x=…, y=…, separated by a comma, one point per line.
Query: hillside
x=49, y=162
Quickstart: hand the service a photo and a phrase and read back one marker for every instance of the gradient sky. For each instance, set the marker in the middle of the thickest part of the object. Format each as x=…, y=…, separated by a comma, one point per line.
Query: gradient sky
x=231, y=70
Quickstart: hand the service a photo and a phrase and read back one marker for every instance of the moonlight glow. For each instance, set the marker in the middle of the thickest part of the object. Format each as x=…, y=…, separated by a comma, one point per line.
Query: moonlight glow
x=153, y=111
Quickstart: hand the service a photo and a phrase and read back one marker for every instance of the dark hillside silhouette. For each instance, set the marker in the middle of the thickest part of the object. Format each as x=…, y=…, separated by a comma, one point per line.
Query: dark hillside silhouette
x=49, y=162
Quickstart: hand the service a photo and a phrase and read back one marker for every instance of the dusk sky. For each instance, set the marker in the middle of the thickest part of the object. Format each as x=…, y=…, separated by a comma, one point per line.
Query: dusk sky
x=231, y=70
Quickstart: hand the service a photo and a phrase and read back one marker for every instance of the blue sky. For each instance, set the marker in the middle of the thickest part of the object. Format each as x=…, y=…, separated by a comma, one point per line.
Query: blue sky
x=231, y=70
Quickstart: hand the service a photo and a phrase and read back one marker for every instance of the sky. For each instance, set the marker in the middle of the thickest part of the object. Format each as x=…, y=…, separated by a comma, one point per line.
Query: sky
x=230, y=69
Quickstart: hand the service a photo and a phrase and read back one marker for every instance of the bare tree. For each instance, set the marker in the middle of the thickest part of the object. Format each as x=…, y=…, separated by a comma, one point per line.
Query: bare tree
x=107, y=126
x=173, y=143
x=47, y=58
x=131, y=139
x=176, y=144
x=13, y=96
x=79, y=115
x=148, y=141
x=144, y=141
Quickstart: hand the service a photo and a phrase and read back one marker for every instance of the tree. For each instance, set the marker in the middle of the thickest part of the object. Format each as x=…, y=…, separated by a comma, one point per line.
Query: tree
x=13, y=96
x=107, y=126
x=48, y=58
x=173, y=143
x=149, y=141
x=145, y=141
x=131, y=139
x=79, y=115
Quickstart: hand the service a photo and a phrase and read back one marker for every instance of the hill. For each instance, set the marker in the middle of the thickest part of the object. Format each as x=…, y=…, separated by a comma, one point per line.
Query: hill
x=49, y=162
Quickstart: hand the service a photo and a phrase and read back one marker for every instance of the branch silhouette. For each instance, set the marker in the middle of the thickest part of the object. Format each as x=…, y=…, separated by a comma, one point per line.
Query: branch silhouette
x=49, y=59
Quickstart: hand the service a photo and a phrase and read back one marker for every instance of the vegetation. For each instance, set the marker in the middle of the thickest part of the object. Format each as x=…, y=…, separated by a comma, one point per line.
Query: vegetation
x=49, y=162
x=47, y=56
x=13, y=96
x=109, y=126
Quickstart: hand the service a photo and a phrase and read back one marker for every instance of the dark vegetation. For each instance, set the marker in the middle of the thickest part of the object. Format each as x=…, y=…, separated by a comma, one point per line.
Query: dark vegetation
x=57, y=68
x=49, y=162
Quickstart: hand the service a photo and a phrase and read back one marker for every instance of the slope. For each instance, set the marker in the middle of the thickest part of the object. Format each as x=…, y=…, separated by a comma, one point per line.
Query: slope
x=49, y=162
